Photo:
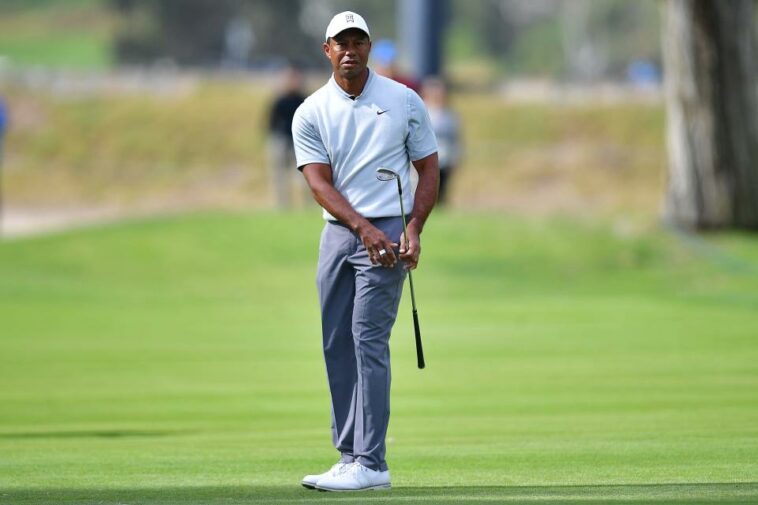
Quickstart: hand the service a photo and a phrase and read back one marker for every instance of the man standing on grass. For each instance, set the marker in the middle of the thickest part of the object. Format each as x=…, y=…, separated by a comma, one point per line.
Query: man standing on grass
x=356, y=123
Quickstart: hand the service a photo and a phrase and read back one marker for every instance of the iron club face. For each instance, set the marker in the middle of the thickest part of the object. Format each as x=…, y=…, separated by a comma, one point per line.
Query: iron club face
x=385, y=174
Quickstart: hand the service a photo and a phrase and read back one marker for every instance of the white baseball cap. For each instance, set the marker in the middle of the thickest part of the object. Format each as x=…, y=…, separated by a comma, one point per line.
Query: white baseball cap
x=344, y=21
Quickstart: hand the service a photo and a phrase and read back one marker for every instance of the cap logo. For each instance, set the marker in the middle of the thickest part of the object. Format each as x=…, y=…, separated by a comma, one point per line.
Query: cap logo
x=349, y=18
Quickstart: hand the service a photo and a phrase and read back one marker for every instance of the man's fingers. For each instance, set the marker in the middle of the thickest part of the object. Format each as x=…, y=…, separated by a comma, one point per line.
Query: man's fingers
x=381, y=251
x=390, y=248
x=411, y=256
x=411, y=263
x=388, y=258
x=412, y=251
x=385, y=254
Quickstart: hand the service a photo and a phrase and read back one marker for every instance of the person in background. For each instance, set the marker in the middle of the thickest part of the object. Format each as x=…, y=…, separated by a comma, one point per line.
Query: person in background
x=384, y=62
x=281, y=153
x=446, y=124
x=3, y=126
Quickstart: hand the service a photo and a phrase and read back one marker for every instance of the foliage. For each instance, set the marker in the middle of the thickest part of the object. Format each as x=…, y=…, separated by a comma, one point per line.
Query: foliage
x=510, y=36
x=539, y=37
x=74, y=35
x=193, y=32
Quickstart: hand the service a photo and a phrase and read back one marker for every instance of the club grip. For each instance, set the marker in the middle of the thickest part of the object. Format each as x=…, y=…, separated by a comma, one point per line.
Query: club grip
x=419, y=349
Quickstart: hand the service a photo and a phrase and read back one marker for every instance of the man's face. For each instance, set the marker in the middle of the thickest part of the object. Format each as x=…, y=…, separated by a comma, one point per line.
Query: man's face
x=348, y=51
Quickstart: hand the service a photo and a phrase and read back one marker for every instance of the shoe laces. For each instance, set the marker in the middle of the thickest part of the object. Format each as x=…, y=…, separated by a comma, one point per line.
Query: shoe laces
x=356, y=467
x=340, y=468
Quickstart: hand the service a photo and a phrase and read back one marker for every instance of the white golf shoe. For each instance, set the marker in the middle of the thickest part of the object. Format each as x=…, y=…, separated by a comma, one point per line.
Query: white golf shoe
x=355, y=477
x=310, y=481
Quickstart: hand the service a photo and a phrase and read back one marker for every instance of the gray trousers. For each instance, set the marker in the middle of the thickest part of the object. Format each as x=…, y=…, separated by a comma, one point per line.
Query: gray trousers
x=359, y=304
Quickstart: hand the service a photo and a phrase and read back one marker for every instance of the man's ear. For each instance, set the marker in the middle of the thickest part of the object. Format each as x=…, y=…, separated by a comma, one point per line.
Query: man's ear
x=326, y=48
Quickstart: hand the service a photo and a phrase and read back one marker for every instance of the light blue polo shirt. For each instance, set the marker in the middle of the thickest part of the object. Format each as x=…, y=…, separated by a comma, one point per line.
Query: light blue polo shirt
x=387, y=125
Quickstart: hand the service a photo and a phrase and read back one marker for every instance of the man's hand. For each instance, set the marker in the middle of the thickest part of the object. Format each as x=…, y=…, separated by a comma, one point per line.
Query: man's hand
x=410, y=253
x=380, y=248
x=425, y=197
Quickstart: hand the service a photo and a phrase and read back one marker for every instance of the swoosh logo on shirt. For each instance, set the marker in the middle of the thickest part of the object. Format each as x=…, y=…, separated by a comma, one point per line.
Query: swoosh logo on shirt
x=380, y=112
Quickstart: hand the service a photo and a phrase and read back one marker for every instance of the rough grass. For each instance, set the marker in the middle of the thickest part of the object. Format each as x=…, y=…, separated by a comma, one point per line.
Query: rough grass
x=578, y=158
x=205, y=140
x=168, y=138
x=177, y=360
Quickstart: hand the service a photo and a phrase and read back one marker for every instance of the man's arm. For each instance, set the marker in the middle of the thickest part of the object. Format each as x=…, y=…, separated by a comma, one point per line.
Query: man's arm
x=424, y=200
x=319, y=177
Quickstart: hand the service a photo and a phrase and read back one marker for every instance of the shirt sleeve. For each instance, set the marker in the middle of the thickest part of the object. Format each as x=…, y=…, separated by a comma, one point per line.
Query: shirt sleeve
x=421, y=141
x=309, y=148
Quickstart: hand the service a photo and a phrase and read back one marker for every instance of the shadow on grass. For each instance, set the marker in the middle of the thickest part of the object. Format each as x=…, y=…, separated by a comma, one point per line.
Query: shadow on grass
x=666, y=494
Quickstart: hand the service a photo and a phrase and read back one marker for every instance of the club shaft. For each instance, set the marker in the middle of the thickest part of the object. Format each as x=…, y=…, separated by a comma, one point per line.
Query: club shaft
x=417, y=329
x=402, y=211
x=407, y=246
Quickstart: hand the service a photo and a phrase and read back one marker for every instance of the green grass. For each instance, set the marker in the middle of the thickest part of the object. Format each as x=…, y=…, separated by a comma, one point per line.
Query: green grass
x=57, y=33
x=76, y=50
x=177, y=361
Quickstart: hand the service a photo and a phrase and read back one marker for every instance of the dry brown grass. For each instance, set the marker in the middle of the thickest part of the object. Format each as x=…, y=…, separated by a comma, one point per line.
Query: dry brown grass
x=204, y=145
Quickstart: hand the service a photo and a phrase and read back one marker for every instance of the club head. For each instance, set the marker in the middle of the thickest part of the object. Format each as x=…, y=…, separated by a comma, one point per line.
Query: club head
x=385, y=174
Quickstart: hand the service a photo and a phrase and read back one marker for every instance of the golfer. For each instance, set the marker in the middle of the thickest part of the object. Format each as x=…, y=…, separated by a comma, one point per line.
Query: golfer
x=356, y=123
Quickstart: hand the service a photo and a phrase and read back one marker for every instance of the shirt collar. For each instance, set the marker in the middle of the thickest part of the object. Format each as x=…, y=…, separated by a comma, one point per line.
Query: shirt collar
x=344, y=93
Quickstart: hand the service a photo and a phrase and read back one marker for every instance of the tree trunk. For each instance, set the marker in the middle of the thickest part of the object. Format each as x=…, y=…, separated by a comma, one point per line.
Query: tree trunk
x=712, y=113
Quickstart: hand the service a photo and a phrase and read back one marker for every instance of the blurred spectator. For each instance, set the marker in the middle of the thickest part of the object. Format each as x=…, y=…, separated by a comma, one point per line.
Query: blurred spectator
x=3, y=126
x=446, y=126
x=383, y=59
x=281, y=153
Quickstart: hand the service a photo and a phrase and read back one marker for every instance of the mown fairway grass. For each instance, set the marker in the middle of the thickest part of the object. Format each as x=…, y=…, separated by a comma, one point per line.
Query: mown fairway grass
x=177, y=360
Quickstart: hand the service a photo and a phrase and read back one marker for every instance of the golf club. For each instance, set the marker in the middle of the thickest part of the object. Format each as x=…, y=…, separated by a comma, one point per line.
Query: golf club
x=385, y=174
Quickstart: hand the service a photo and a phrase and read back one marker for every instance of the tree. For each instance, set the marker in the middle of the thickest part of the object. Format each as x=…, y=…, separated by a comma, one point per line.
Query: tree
x=198, y=32
x=712, y=113
x=195, y=32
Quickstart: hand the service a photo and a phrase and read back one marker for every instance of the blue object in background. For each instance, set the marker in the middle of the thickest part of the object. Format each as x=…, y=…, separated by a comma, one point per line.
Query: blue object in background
x=643, y=73
x=384, y=52
x=3, y=117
